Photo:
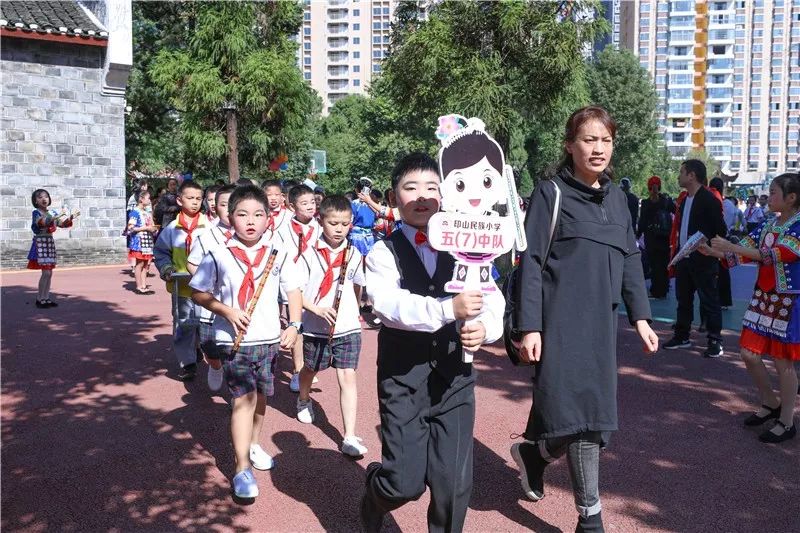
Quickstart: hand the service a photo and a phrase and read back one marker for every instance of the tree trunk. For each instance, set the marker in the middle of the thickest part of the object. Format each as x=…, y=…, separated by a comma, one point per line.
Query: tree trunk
x=233, y=147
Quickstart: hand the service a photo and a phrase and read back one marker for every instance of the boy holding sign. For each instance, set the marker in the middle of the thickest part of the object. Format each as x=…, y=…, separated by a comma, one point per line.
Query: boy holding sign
x=426, y=392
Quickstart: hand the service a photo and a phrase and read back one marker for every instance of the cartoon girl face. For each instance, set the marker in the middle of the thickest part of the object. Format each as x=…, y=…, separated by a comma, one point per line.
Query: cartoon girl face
x=474, y=189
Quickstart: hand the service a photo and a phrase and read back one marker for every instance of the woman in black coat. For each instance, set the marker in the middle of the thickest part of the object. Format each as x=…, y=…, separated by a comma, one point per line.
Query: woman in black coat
x=568, y=310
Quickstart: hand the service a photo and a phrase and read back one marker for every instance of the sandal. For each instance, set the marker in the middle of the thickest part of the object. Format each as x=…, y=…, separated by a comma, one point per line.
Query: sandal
x=49, y=303
x=755, y=420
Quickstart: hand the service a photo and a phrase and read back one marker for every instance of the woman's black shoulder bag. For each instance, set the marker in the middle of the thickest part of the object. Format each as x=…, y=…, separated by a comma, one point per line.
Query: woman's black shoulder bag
x=510, y=332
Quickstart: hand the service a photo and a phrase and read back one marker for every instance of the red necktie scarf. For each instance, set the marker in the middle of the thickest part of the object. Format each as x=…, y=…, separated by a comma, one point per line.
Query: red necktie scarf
x=302, y=240
x=272, y=216
x=188, y=227
x=420, y=238
x=327, y=279
x=248, y=287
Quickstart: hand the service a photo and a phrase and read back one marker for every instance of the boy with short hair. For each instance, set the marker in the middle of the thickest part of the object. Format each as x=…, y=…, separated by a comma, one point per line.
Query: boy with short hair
x=426, y=393
x=332, y=337
x=217, y=236
x=210, y=195
x=296, y=237
x=278, y=214
x=171, y=255
x=234, y=272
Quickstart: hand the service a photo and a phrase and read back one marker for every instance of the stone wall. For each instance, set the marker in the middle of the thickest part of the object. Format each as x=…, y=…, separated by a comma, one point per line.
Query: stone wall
x=58, y=132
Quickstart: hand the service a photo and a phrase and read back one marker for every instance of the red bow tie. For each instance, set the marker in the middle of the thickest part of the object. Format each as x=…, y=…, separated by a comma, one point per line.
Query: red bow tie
x=420, y=238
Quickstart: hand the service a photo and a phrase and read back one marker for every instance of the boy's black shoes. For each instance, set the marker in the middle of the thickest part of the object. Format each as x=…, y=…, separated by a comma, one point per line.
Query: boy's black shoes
x=531, y=467
x=371, y=516
x=714, y=349
x=675, y=342
x=187, y=372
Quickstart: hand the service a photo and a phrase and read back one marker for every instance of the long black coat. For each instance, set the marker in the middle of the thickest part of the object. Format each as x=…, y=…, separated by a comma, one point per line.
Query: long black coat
x=593, y=267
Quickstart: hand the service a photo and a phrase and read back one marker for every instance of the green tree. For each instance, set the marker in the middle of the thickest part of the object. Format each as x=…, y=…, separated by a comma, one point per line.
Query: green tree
x=505, y=62
x=236, y=86
x=618, y=83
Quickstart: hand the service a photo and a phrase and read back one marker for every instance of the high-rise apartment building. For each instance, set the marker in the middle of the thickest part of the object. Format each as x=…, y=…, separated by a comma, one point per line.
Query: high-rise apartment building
x=727, y=75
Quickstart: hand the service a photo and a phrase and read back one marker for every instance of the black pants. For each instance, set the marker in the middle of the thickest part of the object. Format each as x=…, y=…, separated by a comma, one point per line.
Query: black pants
x=658, y=252
x=426, y=438
x=701, y=277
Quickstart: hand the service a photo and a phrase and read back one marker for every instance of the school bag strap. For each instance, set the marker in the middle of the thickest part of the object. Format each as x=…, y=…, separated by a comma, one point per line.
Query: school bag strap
x=511, y=333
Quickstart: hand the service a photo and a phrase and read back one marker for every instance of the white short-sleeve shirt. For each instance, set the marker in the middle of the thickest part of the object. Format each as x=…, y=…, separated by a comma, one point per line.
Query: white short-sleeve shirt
x=314, y=267
x=221, y=274
x=289, y=239
x=215, y=237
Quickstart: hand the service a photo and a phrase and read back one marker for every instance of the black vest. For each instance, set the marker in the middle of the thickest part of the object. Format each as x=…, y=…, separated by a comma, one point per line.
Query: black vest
x=410, y=356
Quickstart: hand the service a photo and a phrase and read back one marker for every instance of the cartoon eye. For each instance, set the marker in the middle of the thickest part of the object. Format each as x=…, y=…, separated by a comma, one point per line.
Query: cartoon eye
x=487, y=182
x=460, y=185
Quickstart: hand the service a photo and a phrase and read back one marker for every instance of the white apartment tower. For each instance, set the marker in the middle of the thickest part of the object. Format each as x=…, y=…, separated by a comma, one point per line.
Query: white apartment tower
x=342, y=43
x=727, y=73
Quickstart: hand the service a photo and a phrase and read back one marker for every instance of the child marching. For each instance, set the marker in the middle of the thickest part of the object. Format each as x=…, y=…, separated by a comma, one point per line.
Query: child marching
x=331, y=327
x=217, y=236
x=42, y=255
x=247, y=326
x=771, y=325
x=171, y=256
x=141, y=229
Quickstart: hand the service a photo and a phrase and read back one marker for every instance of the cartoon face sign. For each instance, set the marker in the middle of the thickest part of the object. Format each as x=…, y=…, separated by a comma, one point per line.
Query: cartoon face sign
x=474, y=189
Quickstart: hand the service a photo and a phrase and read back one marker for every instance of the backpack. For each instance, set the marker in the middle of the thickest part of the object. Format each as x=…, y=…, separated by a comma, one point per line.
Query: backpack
x=661, y=226
x=511, y=333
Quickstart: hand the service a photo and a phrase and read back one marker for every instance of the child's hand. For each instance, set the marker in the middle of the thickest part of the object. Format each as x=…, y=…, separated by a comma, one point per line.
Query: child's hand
x=467, y=305
x=288, y=337
x=472, y=335
x=238, y=319
x=328, y=313
x=167, y=273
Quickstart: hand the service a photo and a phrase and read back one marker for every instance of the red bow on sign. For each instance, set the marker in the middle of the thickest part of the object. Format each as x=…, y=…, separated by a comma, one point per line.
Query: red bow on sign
x=327, y=279
x=420, y=238
x=248, y=287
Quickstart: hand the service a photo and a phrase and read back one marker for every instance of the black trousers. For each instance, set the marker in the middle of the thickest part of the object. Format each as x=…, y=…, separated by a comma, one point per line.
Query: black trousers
x=427, y=440
x=700, y=277
x=658, y=252
x=724, y=285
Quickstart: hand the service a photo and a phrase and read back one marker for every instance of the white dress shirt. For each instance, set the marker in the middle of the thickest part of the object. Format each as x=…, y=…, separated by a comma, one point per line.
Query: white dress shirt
x=400, y=309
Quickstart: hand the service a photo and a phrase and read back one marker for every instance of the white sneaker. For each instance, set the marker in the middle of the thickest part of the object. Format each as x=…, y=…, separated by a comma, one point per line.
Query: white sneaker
x=305, y=411
x=260, y=459
x=215, y=378
x=352, y=446
x=294, y=383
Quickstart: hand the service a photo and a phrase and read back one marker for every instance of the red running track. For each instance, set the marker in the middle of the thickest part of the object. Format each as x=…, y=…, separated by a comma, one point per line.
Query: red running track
x=97, y=435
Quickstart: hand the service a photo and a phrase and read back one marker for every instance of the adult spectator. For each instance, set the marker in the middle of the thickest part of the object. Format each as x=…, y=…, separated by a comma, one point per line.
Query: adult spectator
x=655, y=223
x=167, y=208
x=592, y=267
x=698, y=209
x=633, y=201
x=753, y=214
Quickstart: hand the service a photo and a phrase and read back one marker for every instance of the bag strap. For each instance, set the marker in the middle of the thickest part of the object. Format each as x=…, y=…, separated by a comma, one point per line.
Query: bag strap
x=553, y=222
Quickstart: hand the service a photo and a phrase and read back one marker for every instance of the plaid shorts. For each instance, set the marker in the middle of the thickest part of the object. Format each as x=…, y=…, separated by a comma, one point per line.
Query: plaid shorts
x=342, y=352
x=206, y=332
x=252, y=369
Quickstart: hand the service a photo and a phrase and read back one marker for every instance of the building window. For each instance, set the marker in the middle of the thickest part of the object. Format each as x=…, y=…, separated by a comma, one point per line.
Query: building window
x=356, y=83
x=376, y=11
x=307, y=46
x=356, y=68
x=306, y=31
x=356, y=12
x=376, y=39
x=356, y=27
x=376, y=25
x=377, y=54
x=356, y=40
x=306, y=60
x=356, y=55
x=307, y=75
x=386, y=11
x=678, y=137
x=376, y=68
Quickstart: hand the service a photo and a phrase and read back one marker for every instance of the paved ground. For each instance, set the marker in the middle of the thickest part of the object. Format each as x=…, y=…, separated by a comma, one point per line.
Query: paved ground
x=97, y=435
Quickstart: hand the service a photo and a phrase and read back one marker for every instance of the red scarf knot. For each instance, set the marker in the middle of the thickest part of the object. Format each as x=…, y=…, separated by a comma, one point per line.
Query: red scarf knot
x=188, y=227
x=302, y=240
x=327, y=279
x=248, y=287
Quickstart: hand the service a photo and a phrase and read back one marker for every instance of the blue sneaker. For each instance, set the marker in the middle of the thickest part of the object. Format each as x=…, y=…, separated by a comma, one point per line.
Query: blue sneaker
x=244, y=484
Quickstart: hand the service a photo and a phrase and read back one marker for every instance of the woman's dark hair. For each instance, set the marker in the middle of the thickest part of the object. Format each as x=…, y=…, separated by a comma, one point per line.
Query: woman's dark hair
x=716, y=183
x=36, y=193
x=578, y=119
x=247, y=192
x=335, y=202
x=415, y=161
x=789, y=183
x=467, y=150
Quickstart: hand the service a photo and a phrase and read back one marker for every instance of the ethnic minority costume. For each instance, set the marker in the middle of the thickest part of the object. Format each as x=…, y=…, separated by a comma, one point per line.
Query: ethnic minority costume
x=42, y=255
x=361, y=233
x=771, y=324
x=140, y=244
